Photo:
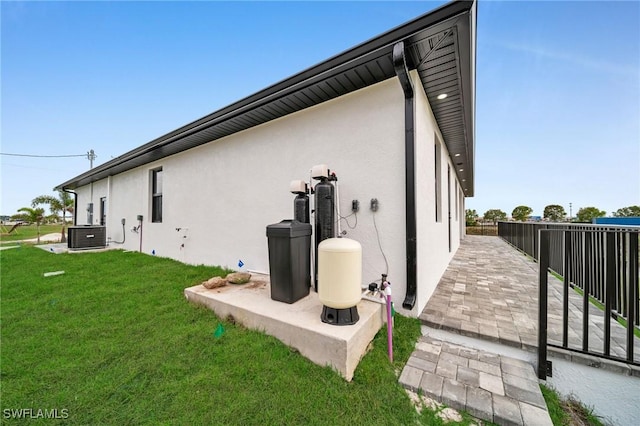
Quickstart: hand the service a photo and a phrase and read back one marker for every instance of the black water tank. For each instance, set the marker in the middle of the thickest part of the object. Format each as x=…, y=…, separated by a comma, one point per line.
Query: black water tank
x=301, y=208
x=289, y=260
x=325, y=216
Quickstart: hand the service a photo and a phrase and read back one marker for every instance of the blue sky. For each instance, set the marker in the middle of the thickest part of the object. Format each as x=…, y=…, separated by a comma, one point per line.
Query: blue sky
x=558, y=85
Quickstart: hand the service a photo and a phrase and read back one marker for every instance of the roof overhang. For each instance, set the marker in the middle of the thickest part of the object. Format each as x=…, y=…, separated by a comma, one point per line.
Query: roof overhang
x=440, y=45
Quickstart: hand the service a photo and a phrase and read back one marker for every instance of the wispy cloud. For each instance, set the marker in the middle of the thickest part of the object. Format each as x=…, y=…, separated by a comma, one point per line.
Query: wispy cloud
x=574, y=59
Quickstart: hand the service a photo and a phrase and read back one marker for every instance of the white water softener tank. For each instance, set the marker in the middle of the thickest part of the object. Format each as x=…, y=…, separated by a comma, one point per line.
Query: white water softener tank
x=339, y=280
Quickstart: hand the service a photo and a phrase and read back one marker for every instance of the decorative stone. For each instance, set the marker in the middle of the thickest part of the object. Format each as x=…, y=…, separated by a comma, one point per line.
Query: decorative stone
x=238, y=277
x=215, y=282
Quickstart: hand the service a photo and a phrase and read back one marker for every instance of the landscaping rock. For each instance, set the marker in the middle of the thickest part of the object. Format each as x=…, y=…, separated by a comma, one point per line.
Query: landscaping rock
x=449, y=415
x=215, y=282
x=238, y=277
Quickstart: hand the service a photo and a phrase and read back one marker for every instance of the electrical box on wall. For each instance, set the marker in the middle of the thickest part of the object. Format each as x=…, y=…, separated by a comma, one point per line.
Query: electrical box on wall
x=90, y=214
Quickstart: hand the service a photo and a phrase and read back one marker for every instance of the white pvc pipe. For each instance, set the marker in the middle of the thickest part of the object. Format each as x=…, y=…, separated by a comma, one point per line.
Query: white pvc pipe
x=338, y=209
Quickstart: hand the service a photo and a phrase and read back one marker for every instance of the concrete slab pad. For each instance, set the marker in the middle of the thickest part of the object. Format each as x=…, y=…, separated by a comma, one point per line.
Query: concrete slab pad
x=297, y=325
x=59, y=248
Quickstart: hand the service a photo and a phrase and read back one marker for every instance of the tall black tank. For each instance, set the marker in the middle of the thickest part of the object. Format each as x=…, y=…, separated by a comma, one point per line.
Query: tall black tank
x=301, y=208
x=325, y=216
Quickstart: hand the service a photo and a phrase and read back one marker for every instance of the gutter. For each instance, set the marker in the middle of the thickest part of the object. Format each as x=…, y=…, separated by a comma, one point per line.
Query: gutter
x=400, y=66
x=75, y=205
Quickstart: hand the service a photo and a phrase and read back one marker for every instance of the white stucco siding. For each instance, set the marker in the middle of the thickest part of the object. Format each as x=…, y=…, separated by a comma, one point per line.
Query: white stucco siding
x=228, y=191
x=218, y=198
x=90, y=194
x=128, y=198
x=222, y=195
x=433, y=253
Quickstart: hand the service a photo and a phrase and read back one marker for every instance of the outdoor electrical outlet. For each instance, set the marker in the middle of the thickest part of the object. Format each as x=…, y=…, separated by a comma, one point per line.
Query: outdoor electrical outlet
x=374, y=204
x=355, y=206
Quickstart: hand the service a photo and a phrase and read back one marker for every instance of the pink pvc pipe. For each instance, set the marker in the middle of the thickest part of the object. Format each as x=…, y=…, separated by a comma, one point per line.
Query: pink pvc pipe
x=389, y=326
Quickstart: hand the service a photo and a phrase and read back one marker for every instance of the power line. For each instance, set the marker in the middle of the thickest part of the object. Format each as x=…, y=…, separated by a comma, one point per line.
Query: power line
x=43, y=156
x=90, y=155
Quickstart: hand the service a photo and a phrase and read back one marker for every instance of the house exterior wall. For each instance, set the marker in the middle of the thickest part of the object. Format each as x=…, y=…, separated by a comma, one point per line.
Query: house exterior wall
x=218, y=198
x=433, y=250
x=91, y=194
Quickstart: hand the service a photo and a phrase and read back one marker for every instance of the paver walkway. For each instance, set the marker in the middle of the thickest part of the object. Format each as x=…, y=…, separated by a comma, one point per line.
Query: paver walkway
x=490, y=387
x=490, y=290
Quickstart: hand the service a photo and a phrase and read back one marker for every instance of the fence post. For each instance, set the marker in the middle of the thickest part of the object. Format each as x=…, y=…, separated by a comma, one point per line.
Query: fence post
x=543, y=265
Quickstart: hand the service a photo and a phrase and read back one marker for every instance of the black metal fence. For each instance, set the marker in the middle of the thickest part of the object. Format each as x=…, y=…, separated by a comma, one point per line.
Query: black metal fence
x=602, y=261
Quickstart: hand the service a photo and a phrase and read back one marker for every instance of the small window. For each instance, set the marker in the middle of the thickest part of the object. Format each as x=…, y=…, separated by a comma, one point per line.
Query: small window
x=438, y=185
x=456, y=194
x=156, y=195
x=103, y=211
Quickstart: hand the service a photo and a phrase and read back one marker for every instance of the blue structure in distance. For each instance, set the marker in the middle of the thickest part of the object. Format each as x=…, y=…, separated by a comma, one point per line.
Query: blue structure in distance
x=625, y=221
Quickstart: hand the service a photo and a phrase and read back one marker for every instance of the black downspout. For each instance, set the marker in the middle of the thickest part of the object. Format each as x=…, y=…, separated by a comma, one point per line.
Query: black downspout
x=75, y=205
x=400, y=65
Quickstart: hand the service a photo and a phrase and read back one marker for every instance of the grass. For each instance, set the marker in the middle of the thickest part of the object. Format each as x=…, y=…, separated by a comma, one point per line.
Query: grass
x=28, y=232
x=113, y=341
x=569, y=411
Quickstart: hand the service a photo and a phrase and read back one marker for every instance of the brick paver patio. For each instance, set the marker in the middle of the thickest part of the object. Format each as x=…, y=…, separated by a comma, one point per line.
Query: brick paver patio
x=490, y=291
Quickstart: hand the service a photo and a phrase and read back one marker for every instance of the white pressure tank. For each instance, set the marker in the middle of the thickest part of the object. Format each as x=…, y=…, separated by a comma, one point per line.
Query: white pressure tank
x=339, y=273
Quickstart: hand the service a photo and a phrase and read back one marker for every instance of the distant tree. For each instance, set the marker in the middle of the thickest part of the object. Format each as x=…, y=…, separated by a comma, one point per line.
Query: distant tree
x=62, y=204
x=587, y=214
x=471, y=217
x=554, y=213
x=631, y=211
x=494, y=215
x=521, y=213
x=31, y=215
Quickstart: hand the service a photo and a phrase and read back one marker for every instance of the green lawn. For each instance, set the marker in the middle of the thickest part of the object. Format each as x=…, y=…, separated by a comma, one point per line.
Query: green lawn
x=27, y=232
x=569, y=411
x=113, y=341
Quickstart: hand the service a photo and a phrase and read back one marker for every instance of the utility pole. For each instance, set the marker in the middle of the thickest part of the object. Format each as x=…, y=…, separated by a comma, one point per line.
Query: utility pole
x=91, y=155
